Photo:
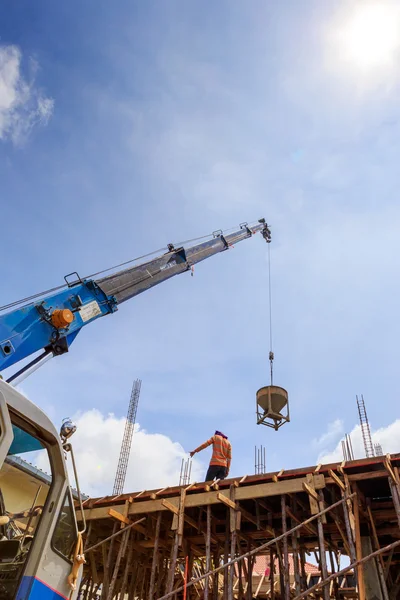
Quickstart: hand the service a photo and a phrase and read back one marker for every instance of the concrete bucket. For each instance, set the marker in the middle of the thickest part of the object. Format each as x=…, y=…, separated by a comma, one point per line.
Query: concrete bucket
x=271, y=401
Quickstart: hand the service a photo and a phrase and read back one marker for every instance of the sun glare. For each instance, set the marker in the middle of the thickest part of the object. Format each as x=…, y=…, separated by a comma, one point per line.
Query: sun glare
x=370, y=37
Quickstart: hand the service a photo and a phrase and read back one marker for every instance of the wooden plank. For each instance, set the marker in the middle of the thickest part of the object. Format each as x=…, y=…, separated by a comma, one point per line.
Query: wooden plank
x=388, y=466
x=260, y=490
x=139, y=494
x=232, y=511
x=169, y=506
x=312, y=495
x=225, y=500
x=336, y=479
x=189, y=487
x=362, y=476
x=116, y=515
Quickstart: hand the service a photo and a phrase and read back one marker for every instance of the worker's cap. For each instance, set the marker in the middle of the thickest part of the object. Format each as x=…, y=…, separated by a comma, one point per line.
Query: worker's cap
x=221, y=434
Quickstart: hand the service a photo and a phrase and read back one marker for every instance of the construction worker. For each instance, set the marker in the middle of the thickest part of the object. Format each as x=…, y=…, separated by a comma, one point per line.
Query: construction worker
x=220, y=462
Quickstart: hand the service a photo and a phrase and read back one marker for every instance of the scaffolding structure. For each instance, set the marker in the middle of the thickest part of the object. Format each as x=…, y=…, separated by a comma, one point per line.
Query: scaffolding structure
x=204, y=541
x=127, y=438
x=365, y=429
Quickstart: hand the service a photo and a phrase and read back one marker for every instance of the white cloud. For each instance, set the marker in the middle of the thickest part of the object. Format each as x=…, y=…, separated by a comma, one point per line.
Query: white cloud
x=22, y=104
x=330, y=435
x=155, y=460
x=388, y=437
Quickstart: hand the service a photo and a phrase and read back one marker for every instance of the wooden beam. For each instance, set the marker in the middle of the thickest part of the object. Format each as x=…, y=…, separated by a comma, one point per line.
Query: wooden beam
x=336, y=479
x=225, y=500
x=116, y=515
x=260, y=490
x=169, y=506
x=311, y=492
x=181, y=516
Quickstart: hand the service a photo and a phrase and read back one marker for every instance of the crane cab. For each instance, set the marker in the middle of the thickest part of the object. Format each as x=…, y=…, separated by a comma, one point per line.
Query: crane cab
x=38, y=528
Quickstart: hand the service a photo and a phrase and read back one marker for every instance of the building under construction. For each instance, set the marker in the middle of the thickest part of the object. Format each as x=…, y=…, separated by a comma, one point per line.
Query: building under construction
x=330, y=532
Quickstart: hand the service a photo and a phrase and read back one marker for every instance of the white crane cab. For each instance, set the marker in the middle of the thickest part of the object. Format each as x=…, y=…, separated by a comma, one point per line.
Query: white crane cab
x=38, y=528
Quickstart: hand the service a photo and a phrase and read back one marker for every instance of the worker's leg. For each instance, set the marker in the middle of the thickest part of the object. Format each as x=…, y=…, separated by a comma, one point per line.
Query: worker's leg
x=212, y=472
x=221, y=473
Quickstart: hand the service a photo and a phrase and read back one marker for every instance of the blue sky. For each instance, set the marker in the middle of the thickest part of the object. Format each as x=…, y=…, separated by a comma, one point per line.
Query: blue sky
x=137, y=124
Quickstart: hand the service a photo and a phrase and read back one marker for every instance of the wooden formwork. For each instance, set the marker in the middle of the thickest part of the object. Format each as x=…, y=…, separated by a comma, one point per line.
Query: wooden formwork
x=202, y=540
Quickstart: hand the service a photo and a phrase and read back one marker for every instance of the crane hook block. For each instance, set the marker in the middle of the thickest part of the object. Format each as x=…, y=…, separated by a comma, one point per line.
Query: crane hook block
x=62, y=318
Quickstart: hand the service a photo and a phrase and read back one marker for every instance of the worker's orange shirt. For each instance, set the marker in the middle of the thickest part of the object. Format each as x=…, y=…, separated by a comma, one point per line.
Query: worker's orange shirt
x=222, y=451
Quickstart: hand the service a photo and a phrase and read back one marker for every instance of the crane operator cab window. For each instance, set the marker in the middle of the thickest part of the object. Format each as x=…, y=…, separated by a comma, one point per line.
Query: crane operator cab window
x=25, y=481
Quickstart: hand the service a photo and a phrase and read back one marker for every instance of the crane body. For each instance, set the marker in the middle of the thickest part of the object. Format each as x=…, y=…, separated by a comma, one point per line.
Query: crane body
x=40, y=543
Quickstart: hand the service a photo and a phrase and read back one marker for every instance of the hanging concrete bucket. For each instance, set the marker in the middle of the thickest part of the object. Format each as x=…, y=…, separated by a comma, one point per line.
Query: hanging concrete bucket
x=271, y=401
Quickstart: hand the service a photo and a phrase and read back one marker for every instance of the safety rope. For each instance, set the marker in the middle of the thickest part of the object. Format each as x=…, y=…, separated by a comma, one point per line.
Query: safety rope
x=79, y=559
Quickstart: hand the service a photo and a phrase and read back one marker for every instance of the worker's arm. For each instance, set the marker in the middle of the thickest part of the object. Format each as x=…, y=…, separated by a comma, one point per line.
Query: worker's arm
x=228, y=462
x=205, y=445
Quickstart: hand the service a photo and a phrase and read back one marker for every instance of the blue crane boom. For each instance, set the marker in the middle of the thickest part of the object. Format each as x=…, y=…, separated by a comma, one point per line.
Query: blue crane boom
x=51, y=323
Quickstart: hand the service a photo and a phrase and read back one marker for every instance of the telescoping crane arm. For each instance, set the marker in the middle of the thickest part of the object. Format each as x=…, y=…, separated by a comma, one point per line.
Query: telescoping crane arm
x=52, y=322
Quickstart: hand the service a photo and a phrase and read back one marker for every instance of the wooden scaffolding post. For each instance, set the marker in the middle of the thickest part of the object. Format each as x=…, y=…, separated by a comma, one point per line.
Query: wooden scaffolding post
x=380, y=565
x=272, y=573
x=360, y=568
x=322, y=554
x=128, y=565
x=120, y=555
x=250, y=565
x=285, y=550
x=226, y=556
x=295, y=546
x=104, y=588
x=208, y=552
x=155, y=556
x=232, y=527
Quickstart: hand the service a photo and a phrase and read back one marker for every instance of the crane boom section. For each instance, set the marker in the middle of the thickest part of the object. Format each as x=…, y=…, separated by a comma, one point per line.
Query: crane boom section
x=52, y=323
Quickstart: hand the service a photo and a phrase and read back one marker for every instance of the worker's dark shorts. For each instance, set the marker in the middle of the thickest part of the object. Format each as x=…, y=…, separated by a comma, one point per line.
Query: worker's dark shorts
x=215, y=472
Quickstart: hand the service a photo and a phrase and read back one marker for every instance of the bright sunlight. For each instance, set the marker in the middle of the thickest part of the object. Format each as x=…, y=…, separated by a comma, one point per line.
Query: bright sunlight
x=370, y=36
